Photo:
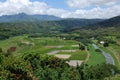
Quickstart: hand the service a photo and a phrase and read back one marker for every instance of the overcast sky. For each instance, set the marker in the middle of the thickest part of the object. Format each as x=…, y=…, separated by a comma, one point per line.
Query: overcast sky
x=62, y=8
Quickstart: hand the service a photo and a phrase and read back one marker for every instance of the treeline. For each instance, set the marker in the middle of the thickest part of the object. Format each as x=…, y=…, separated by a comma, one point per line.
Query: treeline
x=32, y=66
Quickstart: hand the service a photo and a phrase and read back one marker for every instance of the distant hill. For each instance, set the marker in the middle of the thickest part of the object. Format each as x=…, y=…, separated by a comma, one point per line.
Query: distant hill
x=104, y=28
x=115, y=21
x=13, y=25
x=45, y=27
x=112, y=22
x=70, y=23
x=27, y=18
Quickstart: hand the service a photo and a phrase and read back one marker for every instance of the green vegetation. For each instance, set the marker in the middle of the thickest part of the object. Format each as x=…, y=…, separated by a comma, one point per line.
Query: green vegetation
x=36, y=66
x=30, y=60
x=25, y=57
x=108, y=51
x=78, y=55
x=115, y=49
x=95, y=57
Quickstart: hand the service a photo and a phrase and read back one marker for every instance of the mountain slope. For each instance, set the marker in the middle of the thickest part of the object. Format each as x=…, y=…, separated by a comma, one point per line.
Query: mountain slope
x=69, y=24
x=109, y=27
x=112, y=22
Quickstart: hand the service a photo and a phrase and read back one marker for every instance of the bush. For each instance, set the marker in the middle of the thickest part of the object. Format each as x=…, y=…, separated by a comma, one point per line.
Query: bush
x=38, y=60
x=18, y=68
x=10, y=51
x=1, y=58
x=5, y=75
x=111, y=41
x=1, y=50
x=97, y=50
x=81, y=47
x=98, y=72
x=106, y=44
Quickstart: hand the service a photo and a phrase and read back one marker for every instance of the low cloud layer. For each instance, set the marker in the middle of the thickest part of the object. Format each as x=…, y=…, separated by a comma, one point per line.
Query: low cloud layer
x=110, y=9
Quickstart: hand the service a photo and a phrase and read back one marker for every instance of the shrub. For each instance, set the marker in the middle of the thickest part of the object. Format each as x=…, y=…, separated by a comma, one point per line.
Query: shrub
x=1, y=50
x=81, y=47
x=97, y=50
x=98, y=72
x=111, y=41
x=38, y=60
x=10, y=51
x=18, y=68
x=1, y=58
x=106, y=44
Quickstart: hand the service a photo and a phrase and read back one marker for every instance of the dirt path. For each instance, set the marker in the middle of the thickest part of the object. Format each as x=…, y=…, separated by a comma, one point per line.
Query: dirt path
x=75, y=45
x=68, y=50
x=57, y=51
x=88, y=56
x=60, y=46
x=53, y=52
x=75, y=62
x=50, y=46
x=62, y=56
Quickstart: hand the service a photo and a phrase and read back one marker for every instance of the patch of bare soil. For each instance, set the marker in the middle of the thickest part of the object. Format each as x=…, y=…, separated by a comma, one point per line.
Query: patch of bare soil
x=63, y=56
x=75, y=62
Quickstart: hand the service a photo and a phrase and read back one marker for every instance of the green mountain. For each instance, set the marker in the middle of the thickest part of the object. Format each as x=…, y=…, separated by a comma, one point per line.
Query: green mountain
x=109, y=27
x=24, y=17
x=21, y=26
x=112, y=22
x=83, y=26
x=69, y=24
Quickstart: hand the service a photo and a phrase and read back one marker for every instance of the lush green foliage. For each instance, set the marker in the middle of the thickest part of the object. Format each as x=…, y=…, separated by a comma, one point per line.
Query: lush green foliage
x=30, y=61
x=95, y=57
x=43, y=67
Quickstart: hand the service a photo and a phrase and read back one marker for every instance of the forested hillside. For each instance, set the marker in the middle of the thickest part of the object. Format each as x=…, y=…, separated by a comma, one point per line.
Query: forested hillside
x=21, y=26
x=112, y=22
x=104, y=28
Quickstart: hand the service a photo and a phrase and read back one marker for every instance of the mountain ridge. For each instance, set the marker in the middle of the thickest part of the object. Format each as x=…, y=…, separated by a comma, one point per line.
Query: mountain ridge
x=27, y=18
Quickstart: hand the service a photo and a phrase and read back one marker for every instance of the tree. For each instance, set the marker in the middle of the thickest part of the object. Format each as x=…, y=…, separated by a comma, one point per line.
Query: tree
x=81, y=47
x=106, y=44
x=97, y=50
x=1, y=50
x=17, y=68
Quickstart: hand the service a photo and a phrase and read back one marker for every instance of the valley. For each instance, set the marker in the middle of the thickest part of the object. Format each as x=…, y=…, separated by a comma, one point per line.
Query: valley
x=57, y=48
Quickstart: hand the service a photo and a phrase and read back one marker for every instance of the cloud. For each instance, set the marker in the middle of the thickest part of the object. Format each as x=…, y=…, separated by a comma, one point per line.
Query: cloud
x=10, y=7
x=57, y=12
x=88, y=3
x=78, y=3
x=96, y=12
x=18, y=6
